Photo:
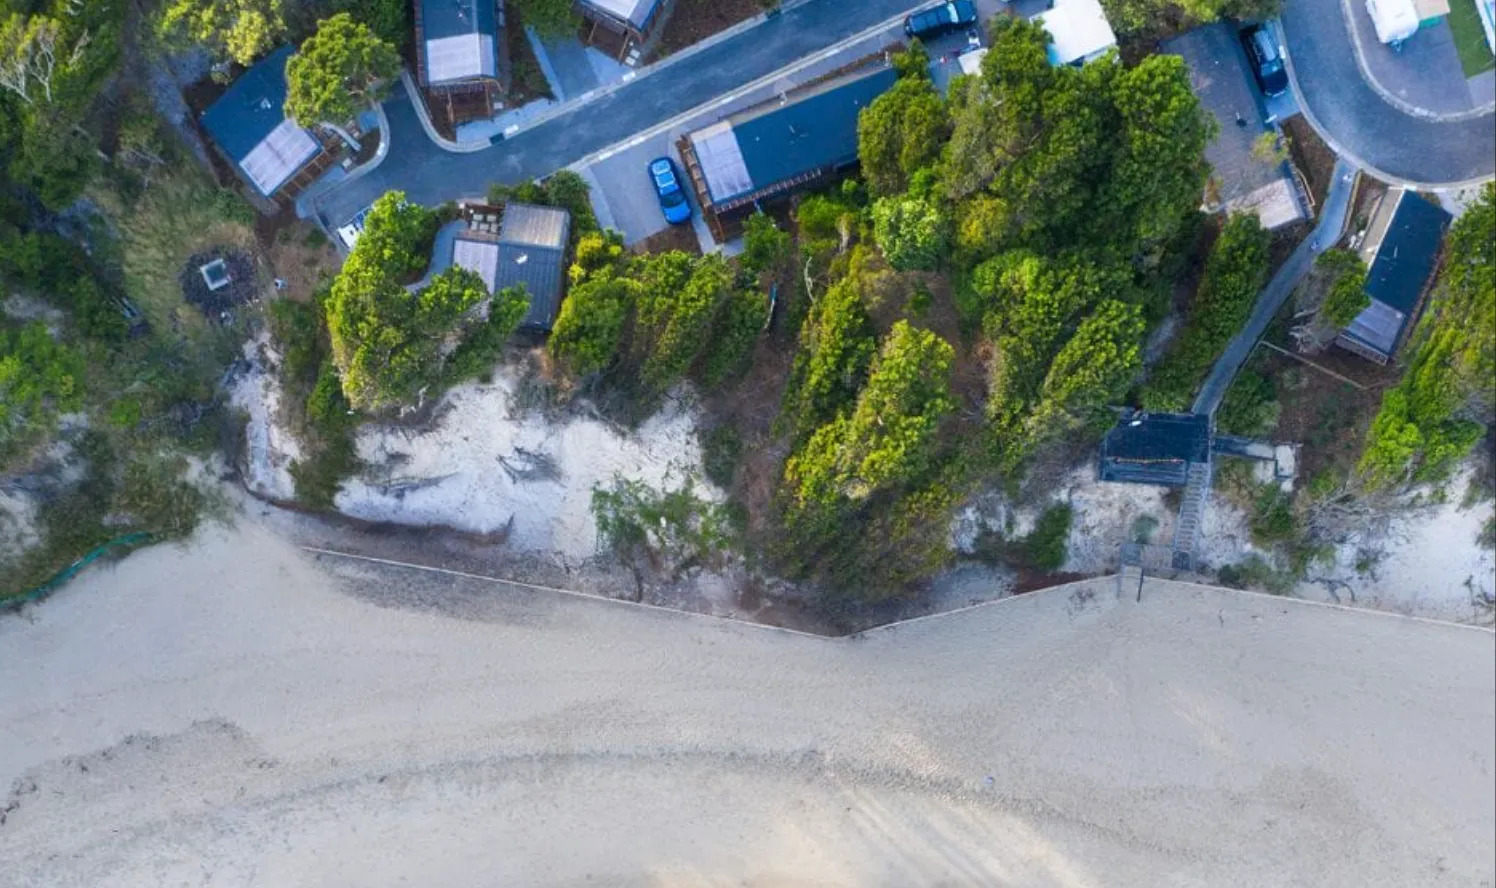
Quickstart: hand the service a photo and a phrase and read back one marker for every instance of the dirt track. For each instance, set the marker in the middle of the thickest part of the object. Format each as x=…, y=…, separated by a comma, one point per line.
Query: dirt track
x=236, y=714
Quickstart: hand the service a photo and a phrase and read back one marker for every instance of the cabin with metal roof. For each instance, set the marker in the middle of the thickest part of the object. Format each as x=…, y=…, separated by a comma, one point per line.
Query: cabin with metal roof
x=1400, y=251
x=623, y=27
x=518, y=245
x=460, y=54
x=784, y=145
x=249, y=125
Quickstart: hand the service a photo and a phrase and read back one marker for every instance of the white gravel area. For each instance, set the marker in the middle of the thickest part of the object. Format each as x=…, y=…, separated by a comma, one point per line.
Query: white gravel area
x=486, y=466
x=269, y=447
x=234, y=713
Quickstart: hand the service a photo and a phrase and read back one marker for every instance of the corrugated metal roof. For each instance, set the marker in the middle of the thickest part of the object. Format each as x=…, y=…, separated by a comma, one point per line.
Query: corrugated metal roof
x=249, y=124
x=1154, y=448
x=540, y=271
x=461, y=39
x=636, y=12
x=721, y=162
x=533, y=225
x=808, y=131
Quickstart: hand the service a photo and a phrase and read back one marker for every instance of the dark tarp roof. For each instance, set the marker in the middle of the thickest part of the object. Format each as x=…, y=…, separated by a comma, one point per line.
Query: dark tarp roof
x=814, y=131
x=1157, y=450
x=1406, y=257
x=252, y=106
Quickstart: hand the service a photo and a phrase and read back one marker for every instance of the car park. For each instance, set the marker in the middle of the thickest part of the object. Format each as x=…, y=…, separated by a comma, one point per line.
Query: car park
x=668, y=189
x=1266, y=60
x=939, y=20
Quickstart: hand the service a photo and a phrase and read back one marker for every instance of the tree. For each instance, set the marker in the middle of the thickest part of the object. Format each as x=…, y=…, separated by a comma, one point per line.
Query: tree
x=241, y=30
x=386, y=18
x=1234, y=274
x=35, y=53
x=1160, y=171
x=899, y=133
x=682, y=331
x=911, y=231
x=1346, y=296
x=589, y=329
x=837, y=344
x=551, y=18
x=339, y=70
x=765, y=246
x=39, y=380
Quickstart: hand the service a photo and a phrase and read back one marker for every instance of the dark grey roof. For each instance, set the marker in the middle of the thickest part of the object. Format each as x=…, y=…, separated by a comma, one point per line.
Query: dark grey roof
x=1157, y=449
x=534, y=225
x=1406, y=256
x=251, y=108
x=814, y=130
x=540, y=270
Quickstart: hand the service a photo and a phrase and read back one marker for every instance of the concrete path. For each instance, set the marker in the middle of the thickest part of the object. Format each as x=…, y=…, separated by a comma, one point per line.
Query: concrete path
x=430, y=175
x=1360, y=124
x=236, y=713
x=1272, y=297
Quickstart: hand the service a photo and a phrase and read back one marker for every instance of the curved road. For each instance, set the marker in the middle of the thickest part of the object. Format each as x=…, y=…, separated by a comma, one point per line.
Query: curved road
x=1359, y=124
x=234, y=713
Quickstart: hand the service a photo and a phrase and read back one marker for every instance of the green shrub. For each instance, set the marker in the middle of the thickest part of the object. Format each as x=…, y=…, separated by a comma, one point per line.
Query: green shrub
x=721, y=451
x=1046, y=545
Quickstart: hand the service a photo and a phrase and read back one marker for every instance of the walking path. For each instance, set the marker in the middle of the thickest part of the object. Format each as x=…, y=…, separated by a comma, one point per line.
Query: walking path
x=234, y=712
x=1271, y=299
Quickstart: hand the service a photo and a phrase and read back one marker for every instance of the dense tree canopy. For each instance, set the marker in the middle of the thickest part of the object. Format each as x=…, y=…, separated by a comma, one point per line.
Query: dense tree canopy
x=339, y=70
x=901, y=133
x=388, y=342
x=239, y=30
x=1435, y=415
x=552, y=18
x=1346, y=296
x=40, y=379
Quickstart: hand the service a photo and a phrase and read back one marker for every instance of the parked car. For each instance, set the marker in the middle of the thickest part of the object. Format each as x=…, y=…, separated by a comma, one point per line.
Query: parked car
x=1266, y=59
x=943, y=19
x=667, y=188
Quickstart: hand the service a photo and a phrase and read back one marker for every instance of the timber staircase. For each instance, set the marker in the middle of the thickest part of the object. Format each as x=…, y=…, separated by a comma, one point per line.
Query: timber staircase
x=1191, y=515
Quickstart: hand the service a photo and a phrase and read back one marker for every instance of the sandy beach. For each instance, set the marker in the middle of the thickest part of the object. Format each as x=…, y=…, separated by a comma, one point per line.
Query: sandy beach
x=237, y=712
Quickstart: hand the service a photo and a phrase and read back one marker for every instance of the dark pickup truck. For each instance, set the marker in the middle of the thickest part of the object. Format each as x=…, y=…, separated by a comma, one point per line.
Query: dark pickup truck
x=943, y=19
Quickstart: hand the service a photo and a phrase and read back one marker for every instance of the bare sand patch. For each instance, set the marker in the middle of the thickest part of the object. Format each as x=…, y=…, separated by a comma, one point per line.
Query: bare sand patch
x=225, y=712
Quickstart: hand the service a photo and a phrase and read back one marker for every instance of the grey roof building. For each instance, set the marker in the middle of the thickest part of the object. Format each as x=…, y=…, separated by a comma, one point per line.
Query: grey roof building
x=458, y=41
x=518, y=245
x=1401, y=247
x=630, y=23
x=1155, y=448
x=780, y=146
x=249, y=125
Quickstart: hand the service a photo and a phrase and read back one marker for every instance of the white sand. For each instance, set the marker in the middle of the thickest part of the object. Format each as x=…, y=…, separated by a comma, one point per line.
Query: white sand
x=287, y=734
x=270, y=448
x=477, y=470
x=1432, y=565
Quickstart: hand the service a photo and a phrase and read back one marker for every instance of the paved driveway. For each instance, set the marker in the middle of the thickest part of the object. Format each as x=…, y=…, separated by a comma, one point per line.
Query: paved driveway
x=1360, y=123
x=430, y=175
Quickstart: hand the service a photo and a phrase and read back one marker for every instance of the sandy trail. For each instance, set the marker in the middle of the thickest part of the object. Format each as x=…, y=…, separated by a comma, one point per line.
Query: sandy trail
x=235, y=713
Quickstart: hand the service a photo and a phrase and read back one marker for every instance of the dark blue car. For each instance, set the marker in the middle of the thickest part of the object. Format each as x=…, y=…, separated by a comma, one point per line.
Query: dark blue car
x=667, y=187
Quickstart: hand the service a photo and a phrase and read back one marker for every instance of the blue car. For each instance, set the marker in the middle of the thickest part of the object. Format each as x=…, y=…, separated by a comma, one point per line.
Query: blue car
x=667, y=188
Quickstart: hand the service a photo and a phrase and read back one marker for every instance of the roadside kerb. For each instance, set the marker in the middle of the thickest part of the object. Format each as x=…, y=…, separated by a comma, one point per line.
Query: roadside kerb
x=1387, y=95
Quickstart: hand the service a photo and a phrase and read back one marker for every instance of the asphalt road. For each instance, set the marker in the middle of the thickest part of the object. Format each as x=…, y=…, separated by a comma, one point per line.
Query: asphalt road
x=431, y=175
x=1325, y=234
x=1359, y=123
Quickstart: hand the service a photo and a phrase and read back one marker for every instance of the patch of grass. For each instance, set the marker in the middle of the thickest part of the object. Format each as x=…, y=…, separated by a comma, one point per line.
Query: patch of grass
x=1470, y=38
x=721, y=451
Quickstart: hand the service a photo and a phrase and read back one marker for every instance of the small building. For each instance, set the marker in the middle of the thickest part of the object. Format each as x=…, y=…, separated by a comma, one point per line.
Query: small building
x=1079, y=31
x=787, y=144
x=623, y=27
x=1155, y=448
x=249, y=125
x=460, y=55
x=518, y=245
x=1400, y=251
